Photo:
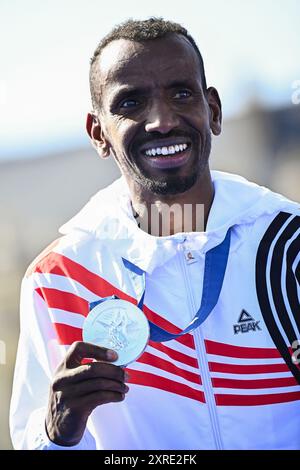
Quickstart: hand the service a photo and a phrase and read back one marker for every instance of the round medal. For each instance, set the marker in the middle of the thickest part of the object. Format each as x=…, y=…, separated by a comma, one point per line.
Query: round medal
x=119, y=325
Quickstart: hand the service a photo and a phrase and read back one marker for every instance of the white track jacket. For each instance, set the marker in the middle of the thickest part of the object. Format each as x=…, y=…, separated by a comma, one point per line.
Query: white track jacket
x=232, y=383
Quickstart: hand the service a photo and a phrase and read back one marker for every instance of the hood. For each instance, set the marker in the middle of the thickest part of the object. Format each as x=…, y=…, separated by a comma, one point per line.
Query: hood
x=108, y=216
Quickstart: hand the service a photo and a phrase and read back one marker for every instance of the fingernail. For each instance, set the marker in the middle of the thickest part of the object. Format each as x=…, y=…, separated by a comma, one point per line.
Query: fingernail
x=126, y=376
x=111, y=355
x=126, y=388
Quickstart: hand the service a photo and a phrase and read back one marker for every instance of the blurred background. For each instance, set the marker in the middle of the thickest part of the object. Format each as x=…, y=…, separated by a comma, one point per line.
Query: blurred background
x=48, y=169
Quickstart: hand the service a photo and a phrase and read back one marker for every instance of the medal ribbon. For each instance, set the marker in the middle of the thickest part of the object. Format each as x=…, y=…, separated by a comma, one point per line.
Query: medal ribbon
x=214, y=271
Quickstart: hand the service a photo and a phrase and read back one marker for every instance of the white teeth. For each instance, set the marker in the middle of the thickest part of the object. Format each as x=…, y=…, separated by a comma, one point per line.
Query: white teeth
x=171, y=150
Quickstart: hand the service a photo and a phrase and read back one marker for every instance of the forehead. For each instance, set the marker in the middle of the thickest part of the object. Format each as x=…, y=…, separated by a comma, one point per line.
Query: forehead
x=125, y=62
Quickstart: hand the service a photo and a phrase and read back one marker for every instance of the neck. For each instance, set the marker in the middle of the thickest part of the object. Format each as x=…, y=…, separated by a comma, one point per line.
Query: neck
x=162, y=215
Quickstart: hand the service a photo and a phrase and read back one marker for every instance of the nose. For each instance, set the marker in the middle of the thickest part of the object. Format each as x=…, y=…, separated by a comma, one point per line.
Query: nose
x=161, y=118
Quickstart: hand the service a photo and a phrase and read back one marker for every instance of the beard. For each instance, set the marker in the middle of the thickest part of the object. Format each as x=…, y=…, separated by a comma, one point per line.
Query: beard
x=167, y=185
x=172, y=183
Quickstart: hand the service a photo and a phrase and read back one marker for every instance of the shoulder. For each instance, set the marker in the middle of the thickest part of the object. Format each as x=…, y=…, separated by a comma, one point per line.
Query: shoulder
x=40, y=257
x=60, y=253
x=279, y=244
x=279, y=225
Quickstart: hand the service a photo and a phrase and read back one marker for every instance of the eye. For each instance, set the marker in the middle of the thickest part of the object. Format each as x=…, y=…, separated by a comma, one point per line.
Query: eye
x=129, y=103
x=182, y=94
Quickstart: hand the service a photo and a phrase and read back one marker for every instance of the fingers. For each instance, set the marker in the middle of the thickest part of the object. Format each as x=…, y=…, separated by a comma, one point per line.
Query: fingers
x=95, y=370
x=80, y=350
x=94, y=399
x=83, y=387
x=99, y=385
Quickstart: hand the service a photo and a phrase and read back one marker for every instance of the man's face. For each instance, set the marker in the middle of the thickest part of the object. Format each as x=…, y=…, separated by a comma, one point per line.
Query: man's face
x=154, y=115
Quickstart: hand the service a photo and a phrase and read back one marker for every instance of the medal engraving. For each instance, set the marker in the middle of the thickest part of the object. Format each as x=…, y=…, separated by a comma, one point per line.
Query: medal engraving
x=119, y=325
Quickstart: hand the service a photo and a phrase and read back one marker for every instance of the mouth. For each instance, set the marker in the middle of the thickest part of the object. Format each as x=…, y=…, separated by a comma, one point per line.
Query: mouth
x=167, y=154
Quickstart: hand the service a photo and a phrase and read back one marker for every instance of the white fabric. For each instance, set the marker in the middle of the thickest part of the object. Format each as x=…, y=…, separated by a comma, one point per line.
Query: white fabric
x=179, y=400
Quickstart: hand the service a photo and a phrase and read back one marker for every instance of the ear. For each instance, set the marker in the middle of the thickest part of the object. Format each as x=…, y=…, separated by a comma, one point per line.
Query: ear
x=214, y=103
x=97, y=137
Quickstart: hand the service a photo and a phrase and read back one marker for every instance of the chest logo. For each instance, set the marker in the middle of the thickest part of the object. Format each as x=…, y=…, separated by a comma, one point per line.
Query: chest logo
x=246, y=323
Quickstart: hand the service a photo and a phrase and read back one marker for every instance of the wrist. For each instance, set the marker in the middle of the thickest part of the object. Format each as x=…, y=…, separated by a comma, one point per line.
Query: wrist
x=61, y=436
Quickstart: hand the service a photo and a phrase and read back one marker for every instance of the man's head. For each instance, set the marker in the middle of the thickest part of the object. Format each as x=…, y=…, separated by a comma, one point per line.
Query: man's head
x=152, y=108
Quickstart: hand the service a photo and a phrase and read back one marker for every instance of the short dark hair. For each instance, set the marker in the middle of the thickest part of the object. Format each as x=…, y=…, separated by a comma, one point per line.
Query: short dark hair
x=139, y=30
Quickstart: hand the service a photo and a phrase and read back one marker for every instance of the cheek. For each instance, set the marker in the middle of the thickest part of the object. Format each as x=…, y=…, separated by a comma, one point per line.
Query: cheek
x=200, y=122
x=122, y=133
x=198, y=115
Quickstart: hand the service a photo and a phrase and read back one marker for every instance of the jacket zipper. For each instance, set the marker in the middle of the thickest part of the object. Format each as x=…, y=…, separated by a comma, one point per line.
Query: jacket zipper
x=202, y=359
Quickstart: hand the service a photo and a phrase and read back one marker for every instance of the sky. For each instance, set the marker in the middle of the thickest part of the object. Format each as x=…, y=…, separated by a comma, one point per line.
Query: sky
x=251, y=49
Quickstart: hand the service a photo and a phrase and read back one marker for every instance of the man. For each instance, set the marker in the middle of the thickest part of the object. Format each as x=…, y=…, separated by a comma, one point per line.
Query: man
x=230, y=383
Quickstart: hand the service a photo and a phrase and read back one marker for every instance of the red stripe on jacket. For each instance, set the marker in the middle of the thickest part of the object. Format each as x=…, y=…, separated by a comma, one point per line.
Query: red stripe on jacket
x=58, y=264
x=222, y=349
x=254, y=400
x=151, y=380
x=247, y=368
x=254, y=383
x=64, y=300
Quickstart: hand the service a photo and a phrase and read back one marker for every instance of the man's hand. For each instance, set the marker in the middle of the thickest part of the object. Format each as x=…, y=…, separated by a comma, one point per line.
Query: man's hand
x=77, y=389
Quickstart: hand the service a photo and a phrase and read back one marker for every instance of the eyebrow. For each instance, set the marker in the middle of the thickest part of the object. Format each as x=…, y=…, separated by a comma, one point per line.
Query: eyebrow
x=127, y=90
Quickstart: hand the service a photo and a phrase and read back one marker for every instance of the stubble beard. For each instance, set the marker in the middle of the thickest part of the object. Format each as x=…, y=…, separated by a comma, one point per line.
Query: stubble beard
x=173, y=184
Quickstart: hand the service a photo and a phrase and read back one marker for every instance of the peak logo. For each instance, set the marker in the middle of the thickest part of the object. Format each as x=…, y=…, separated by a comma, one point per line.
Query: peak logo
x=246, y=323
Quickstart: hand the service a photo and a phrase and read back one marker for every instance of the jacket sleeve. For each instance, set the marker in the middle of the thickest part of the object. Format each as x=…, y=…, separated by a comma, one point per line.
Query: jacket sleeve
x=37, y=357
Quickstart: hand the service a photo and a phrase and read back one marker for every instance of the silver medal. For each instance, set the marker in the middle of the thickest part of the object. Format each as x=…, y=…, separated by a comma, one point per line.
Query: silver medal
x=119, y=325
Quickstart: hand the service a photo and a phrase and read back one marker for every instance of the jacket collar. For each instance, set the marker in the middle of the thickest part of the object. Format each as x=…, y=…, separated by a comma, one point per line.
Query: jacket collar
x=108, y=216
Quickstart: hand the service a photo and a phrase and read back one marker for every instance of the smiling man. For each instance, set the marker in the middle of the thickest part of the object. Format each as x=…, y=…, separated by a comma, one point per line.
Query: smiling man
x=217, y=369
x=155, y=114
